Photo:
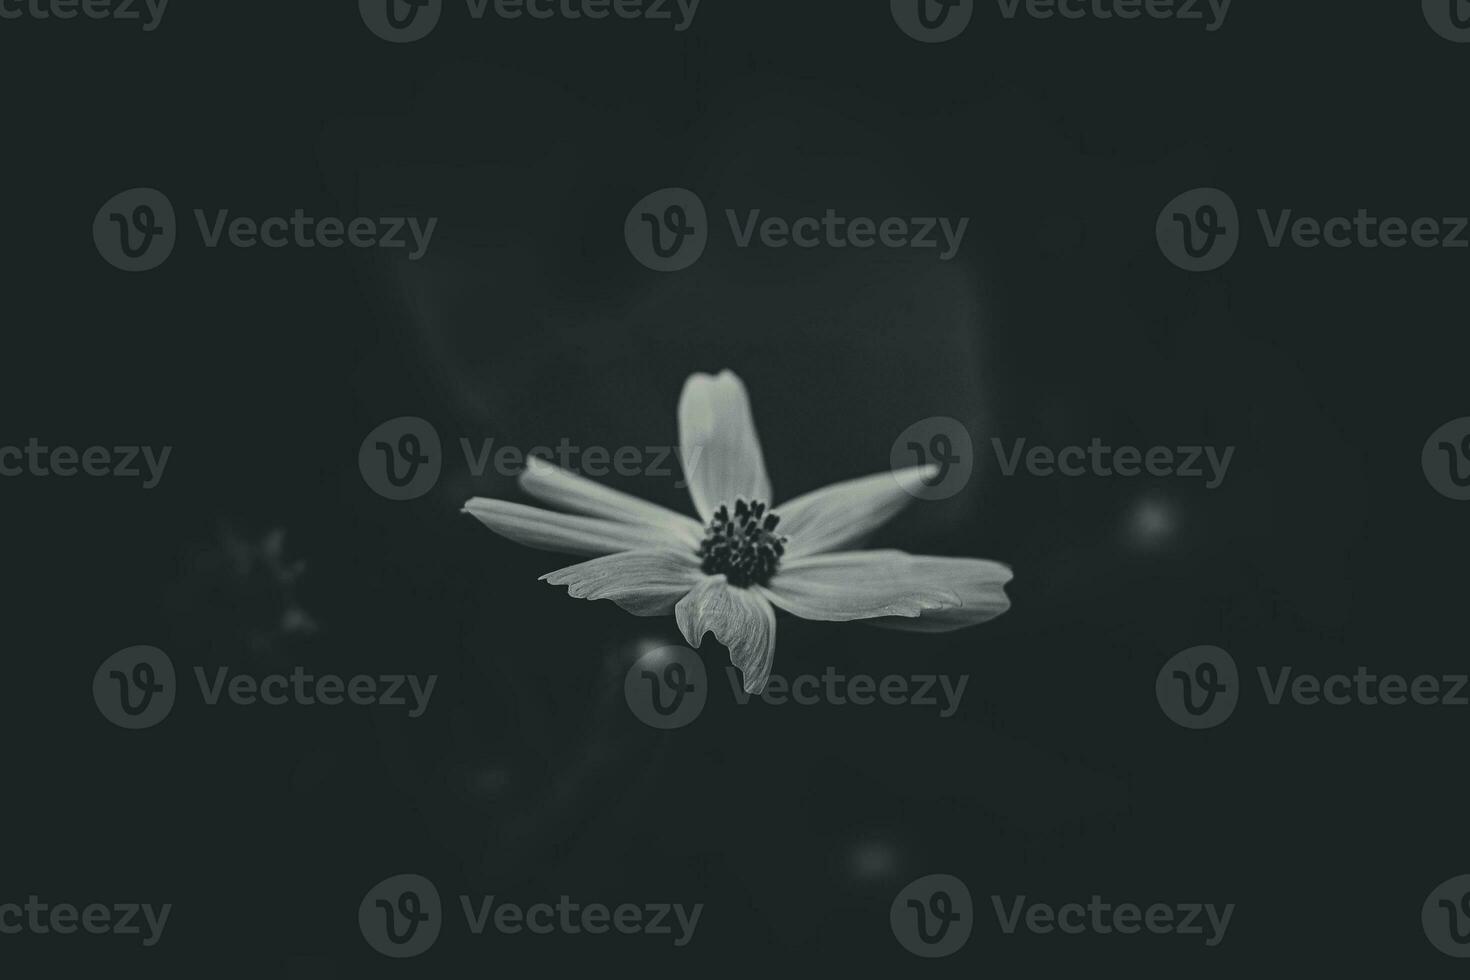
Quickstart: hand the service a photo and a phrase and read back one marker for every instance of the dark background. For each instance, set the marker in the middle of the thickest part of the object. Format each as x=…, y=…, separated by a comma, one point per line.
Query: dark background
x=529, y=321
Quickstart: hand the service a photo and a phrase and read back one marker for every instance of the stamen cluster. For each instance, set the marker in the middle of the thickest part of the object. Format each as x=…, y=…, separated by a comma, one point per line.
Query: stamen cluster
x=744, y=546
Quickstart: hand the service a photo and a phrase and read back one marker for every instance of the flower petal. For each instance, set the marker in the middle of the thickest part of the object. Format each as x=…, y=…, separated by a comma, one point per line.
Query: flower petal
x=553, y=485
x=645, y=583
x=550, y=531
x=838, y=515
x=848, y=585
x=979, y=583
x=740, y=619
x=719, y=448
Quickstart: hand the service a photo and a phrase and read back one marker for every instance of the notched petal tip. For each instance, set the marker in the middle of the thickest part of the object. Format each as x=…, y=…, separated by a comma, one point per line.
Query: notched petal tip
x=722, y=374
x=478, y=507
x=741, y=619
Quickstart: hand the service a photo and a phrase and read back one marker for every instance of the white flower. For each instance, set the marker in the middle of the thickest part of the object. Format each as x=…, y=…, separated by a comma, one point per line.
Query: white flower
x=729, y=575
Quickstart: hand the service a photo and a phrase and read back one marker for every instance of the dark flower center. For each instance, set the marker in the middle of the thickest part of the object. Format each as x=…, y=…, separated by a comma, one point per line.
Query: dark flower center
x=742, y=546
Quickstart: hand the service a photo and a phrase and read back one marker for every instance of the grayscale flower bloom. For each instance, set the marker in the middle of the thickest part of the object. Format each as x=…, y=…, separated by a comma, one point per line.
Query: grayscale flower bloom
x=729, y=574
